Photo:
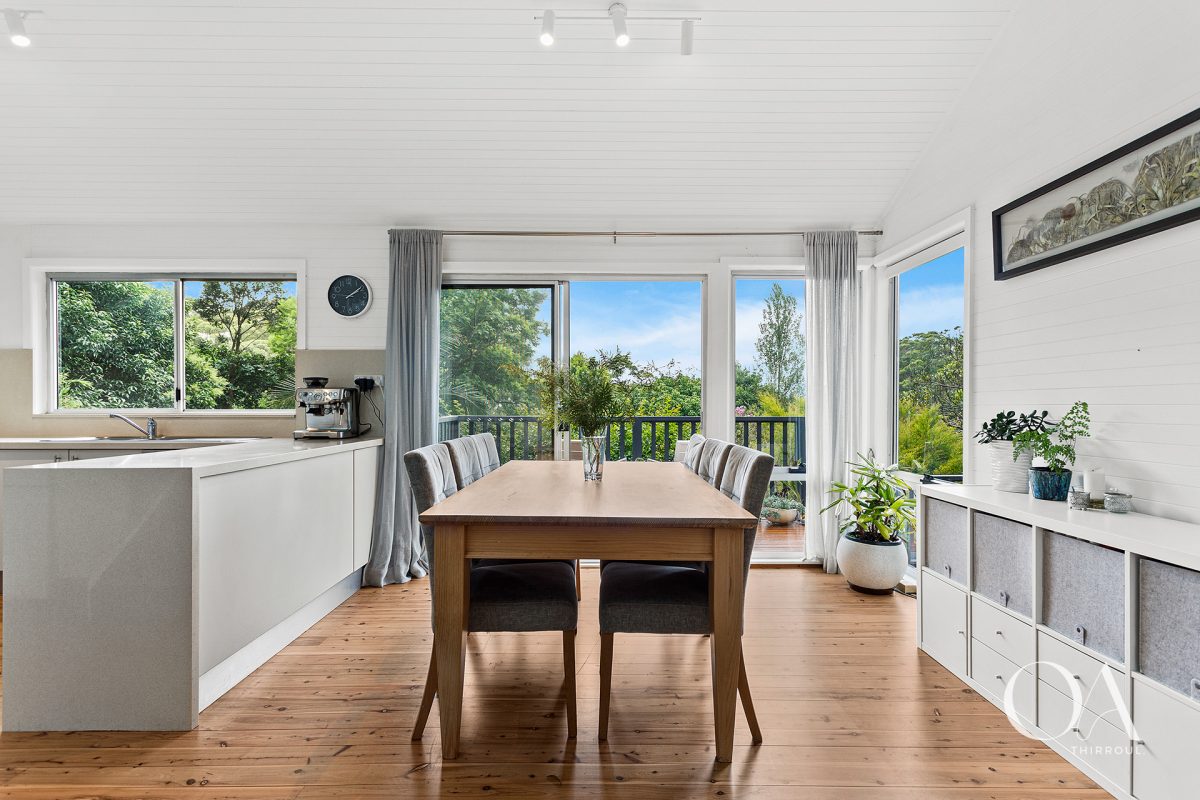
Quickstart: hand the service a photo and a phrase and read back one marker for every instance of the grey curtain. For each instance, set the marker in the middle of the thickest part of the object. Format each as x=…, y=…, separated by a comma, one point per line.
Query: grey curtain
x=834, y=286
x=410, y=402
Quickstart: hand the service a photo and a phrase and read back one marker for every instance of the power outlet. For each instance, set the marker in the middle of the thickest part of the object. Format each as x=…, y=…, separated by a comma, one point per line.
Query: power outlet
x=377, y=378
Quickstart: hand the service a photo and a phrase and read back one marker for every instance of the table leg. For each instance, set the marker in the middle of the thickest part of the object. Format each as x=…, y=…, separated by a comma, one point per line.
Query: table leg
x=725, y=599
x=451, y=597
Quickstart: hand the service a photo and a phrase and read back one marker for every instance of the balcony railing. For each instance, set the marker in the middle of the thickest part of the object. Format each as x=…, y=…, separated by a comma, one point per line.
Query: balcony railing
x=642, y=438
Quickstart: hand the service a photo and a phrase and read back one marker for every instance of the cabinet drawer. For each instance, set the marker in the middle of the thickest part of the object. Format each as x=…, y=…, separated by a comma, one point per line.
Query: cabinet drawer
x=1168, y=636
x=946, y=540
x=1084, y=671
x=1002, y=552
x=993, y=672
x=944, y=623
x=1084, y=593
x=1165, y=766
x=1103, y=747
x=1009, y=636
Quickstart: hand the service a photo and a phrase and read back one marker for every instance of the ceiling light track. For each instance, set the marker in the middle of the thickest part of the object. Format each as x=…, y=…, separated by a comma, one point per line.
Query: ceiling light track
x=14, y=19
x=618, y=15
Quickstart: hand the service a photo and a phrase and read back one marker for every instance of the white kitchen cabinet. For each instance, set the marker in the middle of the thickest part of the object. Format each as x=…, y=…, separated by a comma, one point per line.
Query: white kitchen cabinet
x=22, y=458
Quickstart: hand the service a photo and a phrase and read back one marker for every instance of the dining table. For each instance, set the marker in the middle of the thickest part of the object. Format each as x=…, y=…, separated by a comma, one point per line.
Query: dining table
x=638, y=511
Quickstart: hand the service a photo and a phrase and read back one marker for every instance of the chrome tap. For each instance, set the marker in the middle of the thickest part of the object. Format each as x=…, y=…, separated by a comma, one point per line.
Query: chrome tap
x=150, y=431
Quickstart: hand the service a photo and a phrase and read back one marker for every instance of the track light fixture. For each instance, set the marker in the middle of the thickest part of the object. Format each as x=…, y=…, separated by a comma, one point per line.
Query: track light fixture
x=620, y=30
x=618, y=16
x=15, y=20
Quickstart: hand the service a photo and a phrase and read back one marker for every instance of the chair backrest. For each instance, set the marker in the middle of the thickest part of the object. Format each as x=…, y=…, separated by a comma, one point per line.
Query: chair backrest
x=708, y=460
x=685, y=447
x=489, y=453
x=745, y=480
x=467, y=457
x=431, y=474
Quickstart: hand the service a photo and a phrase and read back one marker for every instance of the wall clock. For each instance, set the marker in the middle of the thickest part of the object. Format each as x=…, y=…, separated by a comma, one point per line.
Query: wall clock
x=349, y=295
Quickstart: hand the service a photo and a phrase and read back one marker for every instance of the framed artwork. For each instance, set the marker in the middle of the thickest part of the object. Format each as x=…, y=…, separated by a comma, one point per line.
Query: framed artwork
x=1146, y=186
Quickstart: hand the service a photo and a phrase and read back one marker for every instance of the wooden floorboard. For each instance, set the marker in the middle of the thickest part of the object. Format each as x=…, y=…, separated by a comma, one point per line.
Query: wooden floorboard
x=849, y=708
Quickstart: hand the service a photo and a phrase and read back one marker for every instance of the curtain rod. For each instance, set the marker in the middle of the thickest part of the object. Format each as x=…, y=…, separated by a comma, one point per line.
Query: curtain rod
x=630, y=234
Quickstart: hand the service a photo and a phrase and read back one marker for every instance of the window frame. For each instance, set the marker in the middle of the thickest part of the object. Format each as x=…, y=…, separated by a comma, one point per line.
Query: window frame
x=43, y=275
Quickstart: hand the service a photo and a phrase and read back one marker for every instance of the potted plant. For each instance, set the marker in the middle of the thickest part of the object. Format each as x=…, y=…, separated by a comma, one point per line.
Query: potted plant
x=780, y=510
x=879, y=508
x=587, y=397
x=1055, y=445
x=1010, y=473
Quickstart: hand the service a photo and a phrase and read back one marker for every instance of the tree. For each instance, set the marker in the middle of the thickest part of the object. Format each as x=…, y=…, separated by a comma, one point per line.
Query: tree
x=780, y=344
x=244, y=309
x=748, y=385
x=928, y=445
x=489, y=340
x=931, y=372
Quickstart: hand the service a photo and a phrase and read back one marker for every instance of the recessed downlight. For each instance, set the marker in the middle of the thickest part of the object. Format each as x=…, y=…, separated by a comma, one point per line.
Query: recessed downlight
x=547, y=37
x=15, y=20
x=620, y=30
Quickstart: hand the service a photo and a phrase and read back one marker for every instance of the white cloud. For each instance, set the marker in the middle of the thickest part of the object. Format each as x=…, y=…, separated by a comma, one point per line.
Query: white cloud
x=931, y=308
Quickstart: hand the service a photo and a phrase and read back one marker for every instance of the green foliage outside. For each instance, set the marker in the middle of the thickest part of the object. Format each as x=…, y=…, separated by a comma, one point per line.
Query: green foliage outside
x=930, y=424
x=117, y=345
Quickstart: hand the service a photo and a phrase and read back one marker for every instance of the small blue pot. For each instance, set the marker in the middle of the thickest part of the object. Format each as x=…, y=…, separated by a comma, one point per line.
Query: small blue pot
x=1047, y=485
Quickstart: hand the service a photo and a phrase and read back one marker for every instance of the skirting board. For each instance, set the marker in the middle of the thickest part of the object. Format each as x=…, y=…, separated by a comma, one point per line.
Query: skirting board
x=230, y=672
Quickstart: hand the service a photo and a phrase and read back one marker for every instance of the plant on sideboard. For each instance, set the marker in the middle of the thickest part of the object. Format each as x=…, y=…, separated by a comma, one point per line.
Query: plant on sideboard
x=879, y=506
x=1056, y=447
x=1010, y=473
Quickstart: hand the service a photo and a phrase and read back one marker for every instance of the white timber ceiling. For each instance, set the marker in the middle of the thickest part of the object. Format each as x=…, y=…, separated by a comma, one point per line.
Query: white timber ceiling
x=399, y=112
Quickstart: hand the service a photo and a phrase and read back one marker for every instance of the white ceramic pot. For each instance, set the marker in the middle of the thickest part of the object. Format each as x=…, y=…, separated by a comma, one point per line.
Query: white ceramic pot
x=1009, y=475
x=872, y=567
x=780, y=516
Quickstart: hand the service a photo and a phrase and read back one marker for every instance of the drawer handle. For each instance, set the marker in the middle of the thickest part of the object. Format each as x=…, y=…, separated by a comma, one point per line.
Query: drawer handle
x=1004, y=598
x=947, y=568
x=1081, y=634
x=962, y=633
x=1000, y=678
x=1196, y=686
x=1078, y=733
x=1078, y=678
x=1000, y=633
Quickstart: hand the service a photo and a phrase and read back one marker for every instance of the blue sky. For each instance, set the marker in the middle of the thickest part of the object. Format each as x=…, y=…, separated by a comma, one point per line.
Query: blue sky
x=193, y=288
x=931, y=295
x=660, y=320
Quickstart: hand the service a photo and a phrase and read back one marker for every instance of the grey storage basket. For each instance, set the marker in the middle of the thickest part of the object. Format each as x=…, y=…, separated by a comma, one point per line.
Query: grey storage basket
x=946, y=540
x=1168, y=631
x=1084, y=593
x=1003, y=556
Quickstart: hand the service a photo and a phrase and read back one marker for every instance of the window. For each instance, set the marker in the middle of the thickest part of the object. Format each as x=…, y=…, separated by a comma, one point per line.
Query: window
x=493, y=339
x=929, y=366
x=174, y=342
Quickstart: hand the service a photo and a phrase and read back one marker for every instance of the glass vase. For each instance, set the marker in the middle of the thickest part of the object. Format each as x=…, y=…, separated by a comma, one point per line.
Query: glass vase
x=593, y=457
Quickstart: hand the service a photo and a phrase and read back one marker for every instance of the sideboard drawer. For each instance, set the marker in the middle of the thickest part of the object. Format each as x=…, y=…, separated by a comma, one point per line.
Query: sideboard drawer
x=944, y=623
x=1002, y=552
x=1085, y=672
x=947, y=540
x=1084, y=593
x=1104, y=747
x=993, y=672
x=1165, y=764
x=1168, y=636
x=1008, y=635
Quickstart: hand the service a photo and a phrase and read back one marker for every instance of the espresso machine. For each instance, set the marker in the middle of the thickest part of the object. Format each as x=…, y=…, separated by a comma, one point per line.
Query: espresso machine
x=330, y=412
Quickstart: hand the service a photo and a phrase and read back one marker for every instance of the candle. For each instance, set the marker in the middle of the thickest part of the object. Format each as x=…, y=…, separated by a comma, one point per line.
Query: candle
x=1093, y=483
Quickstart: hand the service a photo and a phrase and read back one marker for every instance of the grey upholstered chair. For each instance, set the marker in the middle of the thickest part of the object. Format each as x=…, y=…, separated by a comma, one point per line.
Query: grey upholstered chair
x=639, y=597
x=707, y=459
x=525, y=596
x=472, y=458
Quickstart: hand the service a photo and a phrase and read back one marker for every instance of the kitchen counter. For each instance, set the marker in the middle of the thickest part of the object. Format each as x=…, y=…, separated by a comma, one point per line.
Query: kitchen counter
x=219, y=459
x=117, y=443
x=140, y=588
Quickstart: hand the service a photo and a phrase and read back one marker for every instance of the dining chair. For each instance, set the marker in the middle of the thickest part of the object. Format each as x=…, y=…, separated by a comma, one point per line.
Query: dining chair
x=643, y=597
x=707, y=459
x=684, y=446
x=510, y=597
x=473, y=457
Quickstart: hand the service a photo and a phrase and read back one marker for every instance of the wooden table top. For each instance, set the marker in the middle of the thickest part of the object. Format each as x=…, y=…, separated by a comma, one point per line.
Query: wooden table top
x=661, y=494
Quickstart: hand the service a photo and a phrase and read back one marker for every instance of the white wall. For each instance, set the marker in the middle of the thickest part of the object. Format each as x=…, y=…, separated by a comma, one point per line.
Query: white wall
x=1119, y=328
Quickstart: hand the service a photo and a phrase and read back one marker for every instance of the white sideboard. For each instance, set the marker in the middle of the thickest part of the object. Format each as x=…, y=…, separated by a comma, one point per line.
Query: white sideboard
x=1084, y=626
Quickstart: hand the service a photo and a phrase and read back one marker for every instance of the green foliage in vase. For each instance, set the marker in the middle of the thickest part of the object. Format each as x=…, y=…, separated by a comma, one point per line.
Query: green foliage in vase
x=878, y=504
x=1056, y=444
x=585, y=396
